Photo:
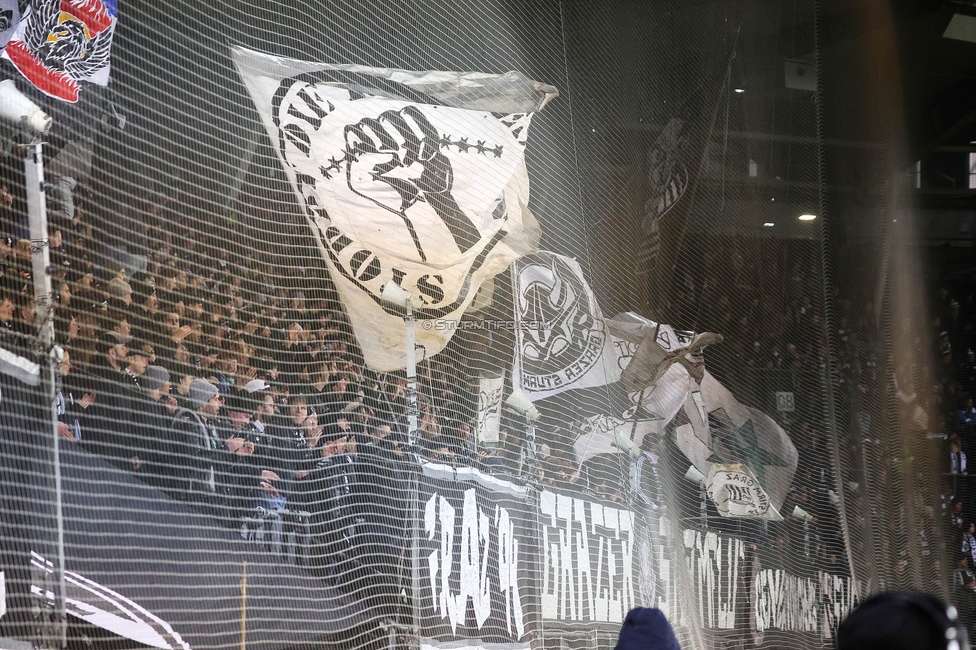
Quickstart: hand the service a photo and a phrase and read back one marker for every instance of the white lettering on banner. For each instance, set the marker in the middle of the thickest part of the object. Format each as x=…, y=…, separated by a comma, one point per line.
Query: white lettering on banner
x=475, y=552
x=780, y=600
x=714, y=563
x=589, y=564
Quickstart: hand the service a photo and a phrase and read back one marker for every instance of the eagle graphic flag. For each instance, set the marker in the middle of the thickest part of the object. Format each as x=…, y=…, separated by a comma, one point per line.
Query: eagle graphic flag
x=418, y=178
x=561, y=340
x=59, y=44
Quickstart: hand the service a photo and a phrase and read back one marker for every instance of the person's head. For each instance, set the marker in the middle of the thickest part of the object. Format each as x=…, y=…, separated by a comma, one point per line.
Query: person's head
x=113, y=348
x=265, y=402
x=382, y=431
x=647, y=628
x=964, y=561
x=227, y=363
x=155, y=381
x=120, y=290
x=138, y=359
x=204, y=398
x=6, y=308
x=239, y=407
x=297, y=409
x=171, y=321
x=954, y=446
x=64, y=366
x=900, y=620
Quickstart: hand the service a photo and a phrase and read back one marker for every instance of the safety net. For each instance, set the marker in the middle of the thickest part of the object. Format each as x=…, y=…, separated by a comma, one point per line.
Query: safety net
x=444, y=324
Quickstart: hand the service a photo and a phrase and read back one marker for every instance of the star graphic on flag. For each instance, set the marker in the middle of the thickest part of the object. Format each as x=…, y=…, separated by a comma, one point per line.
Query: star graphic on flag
x=463, y=145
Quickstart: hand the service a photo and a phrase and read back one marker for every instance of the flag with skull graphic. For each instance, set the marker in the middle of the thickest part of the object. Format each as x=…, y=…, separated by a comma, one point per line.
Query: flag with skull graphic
x=561, y=340
x=415, y=178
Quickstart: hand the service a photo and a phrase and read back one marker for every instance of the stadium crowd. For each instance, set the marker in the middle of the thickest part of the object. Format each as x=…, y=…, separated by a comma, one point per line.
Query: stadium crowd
x=238, y=394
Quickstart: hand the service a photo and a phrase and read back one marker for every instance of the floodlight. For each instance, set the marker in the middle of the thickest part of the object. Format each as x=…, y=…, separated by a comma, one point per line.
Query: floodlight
x=16, y=107
x=519, y=402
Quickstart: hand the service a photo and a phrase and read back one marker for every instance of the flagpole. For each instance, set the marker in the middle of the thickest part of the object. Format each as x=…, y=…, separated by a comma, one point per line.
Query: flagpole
x=44, y=321
x=410, y=323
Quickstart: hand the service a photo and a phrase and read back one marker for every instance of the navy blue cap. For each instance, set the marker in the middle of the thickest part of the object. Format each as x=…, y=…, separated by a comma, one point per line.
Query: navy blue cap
x=647, y=629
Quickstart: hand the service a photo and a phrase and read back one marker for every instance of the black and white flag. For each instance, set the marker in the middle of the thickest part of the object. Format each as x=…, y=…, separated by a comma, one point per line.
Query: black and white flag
x=414, y=177
x=490, y=393
x=561, y=341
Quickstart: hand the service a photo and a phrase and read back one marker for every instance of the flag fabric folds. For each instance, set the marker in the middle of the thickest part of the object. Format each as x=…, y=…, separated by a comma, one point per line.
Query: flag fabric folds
x=413, y=177
x=59, y=44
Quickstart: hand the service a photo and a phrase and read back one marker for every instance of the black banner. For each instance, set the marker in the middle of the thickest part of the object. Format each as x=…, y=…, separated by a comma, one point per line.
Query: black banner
x=475, y=560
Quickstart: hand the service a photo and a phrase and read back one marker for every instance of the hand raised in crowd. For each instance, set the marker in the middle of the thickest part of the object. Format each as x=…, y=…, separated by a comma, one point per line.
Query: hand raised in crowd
x=64, y=431
x=269, y=489
x=87, y=400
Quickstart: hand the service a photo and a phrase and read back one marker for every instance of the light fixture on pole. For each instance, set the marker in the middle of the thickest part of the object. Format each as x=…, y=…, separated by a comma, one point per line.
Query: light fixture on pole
x=396, y=296
x=519, y=402
x=807, y=216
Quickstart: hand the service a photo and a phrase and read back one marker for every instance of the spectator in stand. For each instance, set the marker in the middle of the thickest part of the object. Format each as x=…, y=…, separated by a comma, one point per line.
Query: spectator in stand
x=71, y=404
x=957, y=459
x=119, y=295
x=967, y=373
x=154, y=414
x=112, y=406
x=968, y=545
x=955, y=515
x=965, y=421
x=243, y=481
x=138, y=360
x=196, y=440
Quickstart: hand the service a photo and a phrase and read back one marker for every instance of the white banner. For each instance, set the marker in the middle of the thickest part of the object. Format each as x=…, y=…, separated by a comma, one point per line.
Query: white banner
x=404, y=176
x=490, y=391
x=561, y=341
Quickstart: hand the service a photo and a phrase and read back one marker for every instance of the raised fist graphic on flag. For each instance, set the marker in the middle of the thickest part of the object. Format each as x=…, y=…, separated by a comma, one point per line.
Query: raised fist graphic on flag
x=401, y=150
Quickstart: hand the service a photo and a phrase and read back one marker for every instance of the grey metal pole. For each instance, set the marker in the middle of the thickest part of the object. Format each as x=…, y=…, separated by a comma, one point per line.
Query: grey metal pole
x=44, y=320
x=410, y=323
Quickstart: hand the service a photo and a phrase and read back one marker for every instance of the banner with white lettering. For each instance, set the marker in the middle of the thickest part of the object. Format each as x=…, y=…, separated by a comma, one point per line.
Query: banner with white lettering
x=587, y=560
x=477, y=560
x=415, y=178
x=561, y=341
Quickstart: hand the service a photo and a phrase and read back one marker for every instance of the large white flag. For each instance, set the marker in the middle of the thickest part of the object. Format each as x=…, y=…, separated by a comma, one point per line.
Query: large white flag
x=414, y=177
x=561, y=341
